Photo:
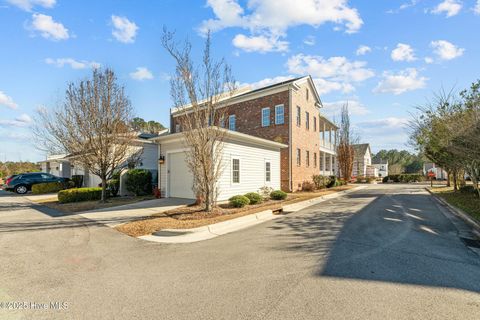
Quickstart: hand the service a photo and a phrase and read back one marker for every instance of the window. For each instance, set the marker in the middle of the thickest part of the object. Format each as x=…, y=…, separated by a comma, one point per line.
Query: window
x=222, y=121
x=231, y=122
x=279, y=114
x=307, y=120
x=315, y=159
x=299, y=157
x=307, y=160
x=314, y=123
x=177, y=127
x=265, y=117
x=268, y=171
x=236, y=170
x=299, y=116
x=307, y=93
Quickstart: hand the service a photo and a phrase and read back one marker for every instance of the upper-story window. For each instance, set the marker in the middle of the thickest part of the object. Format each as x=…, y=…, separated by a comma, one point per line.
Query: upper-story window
x=299, y=116
x=178, y=128
x=314, y=123
x=265, y=117
x=299, y=157
x=315, y=159
x=279, y=114
x=307, y=120
x=231, y=122
x=222, y=121
x=307, y=93
x=307, y=158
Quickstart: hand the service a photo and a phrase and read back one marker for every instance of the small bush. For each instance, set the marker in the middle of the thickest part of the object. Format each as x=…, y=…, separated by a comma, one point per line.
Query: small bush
x=371, y=179
x=308, y=186
x=77, y=180
x=320, y=181
x=254, y=197
x=467, y=189
x=139, y=181
x=79, y=194
x=238, y=201
x=113, y=184
x=333, y=182
x=265, y=192
x=48, y=187
x=278, y=195
x=404, y=178
x=385, y=179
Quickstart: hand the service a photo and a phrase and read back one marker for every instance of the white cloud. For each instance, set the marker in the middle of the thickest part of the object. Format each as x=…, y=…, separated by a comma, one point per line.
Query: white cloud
x=403, y=81
x=391, y=122
x=477, y=8
x=260, y=44
x=278, y=15
x=404, y=6
x=124, y=30
x=403, y=52
x=141, y=74
x=266, y=82
x=428, y=60
x=332, y=74
x=7, y=101
x=449, y=7
x=48, y=28
x=386, y=133
x=446, y=50
x=363, y=50
x=309, y=41
x=27, y=5
x=334, y=108
x=23, y=120
x=74, y=64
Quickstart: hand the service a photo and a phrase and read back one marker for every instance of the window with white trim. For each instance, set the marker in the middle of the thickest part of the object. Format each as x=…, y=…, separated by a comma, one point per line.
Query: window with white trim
x=222, y=121
x=279, y=114
x=265, y=117
x=314, y=123
x=315, y=159
x=307, y=120
x=299, y=116
x=299, y=157
x=235, y=170
x=231, y=122
x=307, y=158
x=268, y=171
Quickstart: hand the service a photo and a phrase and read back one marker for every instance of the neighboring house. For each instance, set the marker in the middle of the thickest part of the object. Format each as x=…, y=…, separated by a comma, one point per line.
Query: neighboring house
x=287, y=112
x=362, y=162
x=66, y=166
x=382, y=167
x=248, y=164
x=440, y=174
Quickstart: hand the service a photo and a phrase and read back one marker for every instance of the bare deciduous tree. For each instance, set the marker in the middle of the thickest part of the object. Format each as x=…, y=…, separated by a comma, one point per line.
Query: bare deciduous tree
x=345, y=151
x=91, y=125
x=199, y=95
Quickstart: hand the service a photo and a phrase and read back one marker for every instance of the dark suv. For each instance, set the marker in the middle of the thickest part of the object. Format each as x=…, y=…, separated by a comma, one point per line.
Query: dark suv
x=22, y=183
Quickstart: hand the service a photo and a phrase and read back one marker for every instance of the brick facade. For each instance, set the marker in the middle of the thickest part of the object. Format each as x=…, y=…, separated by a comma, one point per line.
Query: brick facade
x=248, y=115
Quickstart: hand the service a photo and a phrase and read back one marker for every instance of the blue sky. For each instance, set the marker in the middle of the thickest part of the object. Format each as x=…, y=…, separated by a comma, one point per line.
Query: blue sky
x=383, y=57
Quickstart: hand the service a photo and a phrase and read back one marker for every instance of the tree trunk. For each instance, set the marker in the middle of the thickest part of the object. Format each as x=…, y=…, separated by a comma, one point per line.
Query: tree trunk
x=455, y=186
x=449, y=174
x=104, y=189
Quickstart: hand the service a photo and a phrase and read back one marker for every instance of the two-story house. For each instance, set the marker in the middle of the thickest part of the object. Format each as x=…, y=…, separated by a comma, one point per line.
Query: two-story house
x=287, y=112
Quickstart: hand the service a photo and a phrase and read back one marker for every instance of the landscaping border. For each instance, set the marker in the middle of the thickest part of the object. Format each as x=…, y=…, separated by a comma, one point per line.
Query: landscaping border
x=458, y=212
x=224, y=227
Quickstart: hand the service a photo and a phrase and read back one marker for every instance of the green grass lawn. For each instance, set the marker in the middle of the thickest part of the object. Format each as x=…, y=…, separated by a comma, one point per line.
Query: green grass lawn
x=466, y=201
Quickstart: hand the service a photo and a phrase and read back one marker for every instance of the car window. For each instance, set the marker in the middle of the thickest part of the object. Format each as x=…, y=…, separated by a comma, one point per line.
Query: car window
x=45, y=176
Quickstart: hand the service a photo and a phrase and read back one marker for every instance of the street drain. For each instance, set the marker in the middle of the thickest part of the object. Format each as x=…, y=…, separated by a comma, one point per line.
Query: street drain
x=471, y=242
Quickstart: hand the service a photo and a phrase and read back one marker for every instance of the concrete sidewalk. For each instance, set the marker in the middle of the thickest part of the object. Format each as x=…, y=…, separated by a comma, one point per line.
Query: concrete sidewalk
x=117, y=215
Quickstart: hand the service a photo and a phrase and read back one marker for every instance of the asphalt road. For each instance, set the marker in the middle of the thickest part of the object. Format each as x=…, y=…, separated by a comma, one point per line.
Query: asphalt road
x=385, y=252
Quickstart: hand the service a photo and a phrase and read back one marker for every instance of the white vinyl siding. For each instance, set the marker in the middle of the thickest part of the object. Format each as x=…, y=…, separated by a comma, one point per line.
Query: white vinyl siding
x=265, y=117
x=279, y=114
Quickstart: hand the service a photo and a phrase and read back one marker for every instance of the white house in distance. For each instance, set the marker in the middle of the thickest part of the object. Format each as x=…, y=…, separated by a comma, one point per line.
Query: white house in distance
x=440, y=174
x=382, y=167
x=249, y=163
x=362, y=163
x=56, y=165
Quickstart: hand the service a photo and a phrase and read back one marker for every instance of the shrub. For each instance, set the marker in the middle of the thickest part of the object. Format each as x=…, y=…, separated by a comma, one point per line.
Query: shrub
x=320, y=181
x=308, y=186
x=139, y=181
x=404, y=178
x=265, y=192
x=79, y=194
x=48, y=187
x=385, y=179
x=114, y=184
x=278, y=195
x=467, y=189
x=371, y=179
x=238, y=201
x=77, y=180
x=332, y=182
x=254, y=197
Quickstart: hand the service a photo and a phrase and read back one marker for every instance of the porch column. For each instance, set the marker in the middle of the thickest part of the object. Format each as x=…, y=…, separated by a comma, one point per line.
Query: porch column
x=324, y=162
x=331, y=164
x=323, y=133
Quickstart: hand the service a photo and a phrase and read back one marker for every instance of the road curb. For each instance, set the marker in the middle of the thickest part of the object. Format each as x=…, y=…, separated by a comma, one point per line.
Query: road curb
x=224, y=227
x=458, y=212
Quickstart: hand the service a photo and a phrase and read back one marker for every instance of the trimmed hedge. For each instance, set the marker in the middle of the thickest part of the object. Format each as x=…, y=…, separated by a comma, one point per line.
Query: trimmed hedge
x=467, y=189
x=139, y=181
x=47, y=187
x=79, y=194
x=239, y=201
x=254, y=197
x=278, y=195
x=404, y=178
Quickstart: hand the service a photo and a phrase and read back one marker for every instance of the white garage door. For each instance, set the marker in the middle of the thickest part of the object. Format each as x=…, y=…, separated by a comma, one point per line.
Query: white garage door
x=180, y=179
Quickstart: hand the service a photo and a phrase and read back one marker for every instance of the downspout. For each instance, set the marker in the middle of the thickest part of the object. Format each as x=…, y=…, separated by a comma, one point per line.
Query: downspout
x=290, y=112
x=159, y=182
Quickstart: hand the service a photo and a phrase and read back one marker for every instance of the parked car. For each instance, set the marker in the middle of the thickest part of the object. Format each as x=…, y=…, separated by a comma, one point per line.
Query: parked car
x=22, y=183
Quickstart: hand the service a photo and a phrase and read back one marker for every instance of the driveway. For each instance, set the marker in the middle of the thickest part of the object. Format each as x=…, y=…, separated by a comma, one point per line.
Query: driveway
x=385, y=252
